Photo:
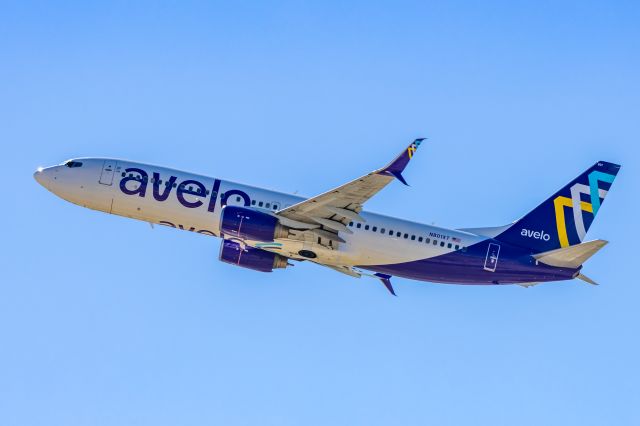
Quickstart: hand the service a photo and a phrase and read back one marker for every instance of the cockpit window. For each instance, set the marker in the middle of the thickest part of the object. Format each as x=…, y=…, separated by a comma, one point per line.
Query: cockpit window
x=72, y=164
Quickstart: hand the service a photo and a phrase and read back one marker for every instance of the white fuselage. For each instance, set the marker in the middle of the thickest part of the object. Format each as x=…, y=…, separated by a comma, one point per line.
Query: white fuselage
x=140, y=191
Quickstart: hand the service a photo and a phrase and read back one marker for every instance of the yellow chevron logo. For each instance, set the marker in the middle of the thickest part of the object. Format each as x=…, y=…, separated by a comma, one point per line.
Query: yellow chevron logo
x=411, y=150
x=560, y=203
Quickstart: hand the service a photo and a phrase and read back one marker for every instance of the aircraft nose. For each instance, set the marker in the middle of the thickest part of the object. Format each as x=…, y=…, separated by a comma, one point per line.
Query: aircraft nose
x=40, y=177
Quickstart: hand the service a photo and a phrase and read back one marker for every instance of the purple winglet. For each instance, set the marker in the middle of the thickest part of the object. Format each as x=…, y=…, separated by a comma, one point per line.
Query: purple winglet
x=399, y=176
x=386, y=280
x=396, y=167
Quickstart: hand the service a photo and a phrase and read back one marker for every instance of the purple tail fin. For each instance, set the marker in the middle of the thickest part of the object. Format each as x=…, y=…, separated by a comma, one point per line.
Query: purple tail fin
x=564, y=219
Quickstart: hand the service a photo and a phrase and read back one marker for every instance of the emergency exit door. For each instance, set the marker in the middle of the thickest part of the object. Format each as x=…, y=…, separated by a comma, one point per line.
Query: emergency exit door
x=108, y=169
x=491, y=261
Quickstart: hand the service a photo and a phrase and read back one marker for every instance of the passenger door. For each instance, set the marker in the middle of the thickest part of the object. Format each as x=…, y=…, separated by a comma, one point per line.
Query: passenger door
x=108, y=169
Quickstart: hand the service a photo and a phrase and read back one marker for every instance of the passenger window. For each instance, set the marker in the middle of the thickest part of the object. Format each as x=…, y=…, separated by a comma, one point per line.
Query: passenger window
x=382, y=231
x=253, y=202
x=350, y=223
x=359, y=225
x=419, y=239
x=413, y=238
x=427, y=240
x=366, y=227
x=398, y=234
x=390, y=231
x=190, y=188
x=449, y=245
x=435, y=242
x=374, y=229
x=260, y=204
x=268, y=205
x=238, y=200
x=457, y=247
x=406, y=236
x=123, y=174
x=175, y=185
x=276, y=206
x=441, y=243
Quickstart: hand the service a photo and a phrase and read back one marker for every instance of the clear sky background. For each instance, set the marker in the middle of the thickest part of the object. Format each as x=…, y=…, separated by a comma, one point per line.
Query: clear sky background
x=104, y=321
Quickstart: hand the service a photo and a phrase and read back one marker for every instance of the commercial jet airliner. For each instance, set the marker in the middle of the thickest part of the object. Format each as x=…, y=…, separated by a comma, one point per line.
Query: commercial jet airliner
x=265, y=230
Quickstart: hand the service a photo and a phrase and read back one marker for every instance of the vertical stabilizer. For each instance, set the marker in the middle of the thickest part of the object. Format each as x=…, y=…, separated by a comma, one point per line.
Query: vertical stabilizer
x=564, y=219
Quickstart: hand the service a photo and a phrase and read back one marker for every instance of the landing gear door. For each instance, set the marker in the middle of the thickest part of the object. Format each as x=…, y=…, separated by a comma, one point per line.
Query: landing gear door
x=108, y=169
x=491, y=261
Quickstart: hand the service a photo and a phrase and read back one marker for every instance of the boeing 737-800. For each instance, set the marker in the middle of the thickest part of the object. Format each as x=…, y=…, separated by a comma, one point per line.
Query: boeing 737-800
x=264, y=230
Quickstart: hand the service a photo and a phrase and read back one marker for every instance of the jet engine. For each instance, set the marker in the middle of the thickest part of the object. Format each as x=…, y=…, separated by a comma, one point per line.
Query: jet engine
x=251, y=258
x=248, y=224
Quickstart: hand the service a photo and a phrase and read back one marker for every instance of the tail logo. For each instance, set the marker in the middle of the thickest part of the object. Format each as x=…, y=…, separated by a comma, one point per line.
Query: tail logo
x=578, y=206
x=413, y=147
x=538, y=235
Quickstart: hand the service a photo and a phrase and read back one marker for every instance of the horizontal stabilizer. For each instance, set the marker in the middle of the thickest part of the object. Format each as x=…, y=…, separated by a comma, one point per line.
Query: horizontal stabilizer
x=572, y=256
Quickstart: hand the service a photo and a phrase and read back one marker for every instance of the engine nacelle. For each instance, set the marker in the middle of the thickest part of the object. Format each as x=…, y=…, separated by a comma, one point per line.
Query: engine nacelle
x=251, y=258
x=248, y=224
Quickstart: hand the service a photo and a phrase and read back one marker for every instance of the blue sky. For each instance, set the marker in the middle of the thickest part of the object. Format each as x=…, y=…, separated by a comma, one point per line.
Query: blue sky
x=105, y=321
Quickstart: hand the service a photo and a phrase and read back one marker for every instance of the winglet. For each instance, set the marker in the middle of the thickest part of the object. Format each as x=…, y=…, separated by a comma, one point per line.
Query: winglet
x=386, y=280
x=397, y=166
x=399, y=176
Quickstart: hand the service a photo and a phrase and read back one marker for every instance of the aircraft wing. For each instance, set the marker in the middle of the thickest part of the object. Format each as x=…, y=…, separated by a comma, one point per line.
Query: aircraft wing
x=334, y=209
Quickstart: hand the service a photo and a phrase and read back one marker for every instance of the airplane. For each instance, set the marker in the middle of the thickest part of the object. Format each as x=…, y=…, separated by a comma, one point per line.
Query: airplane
x=265, y=230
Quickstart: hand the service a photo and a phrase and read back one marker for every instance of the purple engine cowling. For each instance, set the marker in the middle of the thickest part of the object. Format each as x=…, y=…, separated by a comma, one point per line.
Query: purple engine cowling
x=251, y=258
x=248, y=224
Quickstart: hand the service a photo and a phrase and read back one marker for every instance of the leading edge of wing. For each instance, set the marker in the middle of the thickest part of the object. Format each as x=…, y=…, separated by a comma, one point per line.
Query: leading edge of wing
x=366, y=185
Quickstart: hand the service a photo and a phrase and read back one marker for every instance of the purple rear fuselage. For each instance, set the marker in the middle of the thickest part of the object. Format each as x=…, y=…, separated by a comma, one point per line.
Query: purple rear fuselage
x=514, y=265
